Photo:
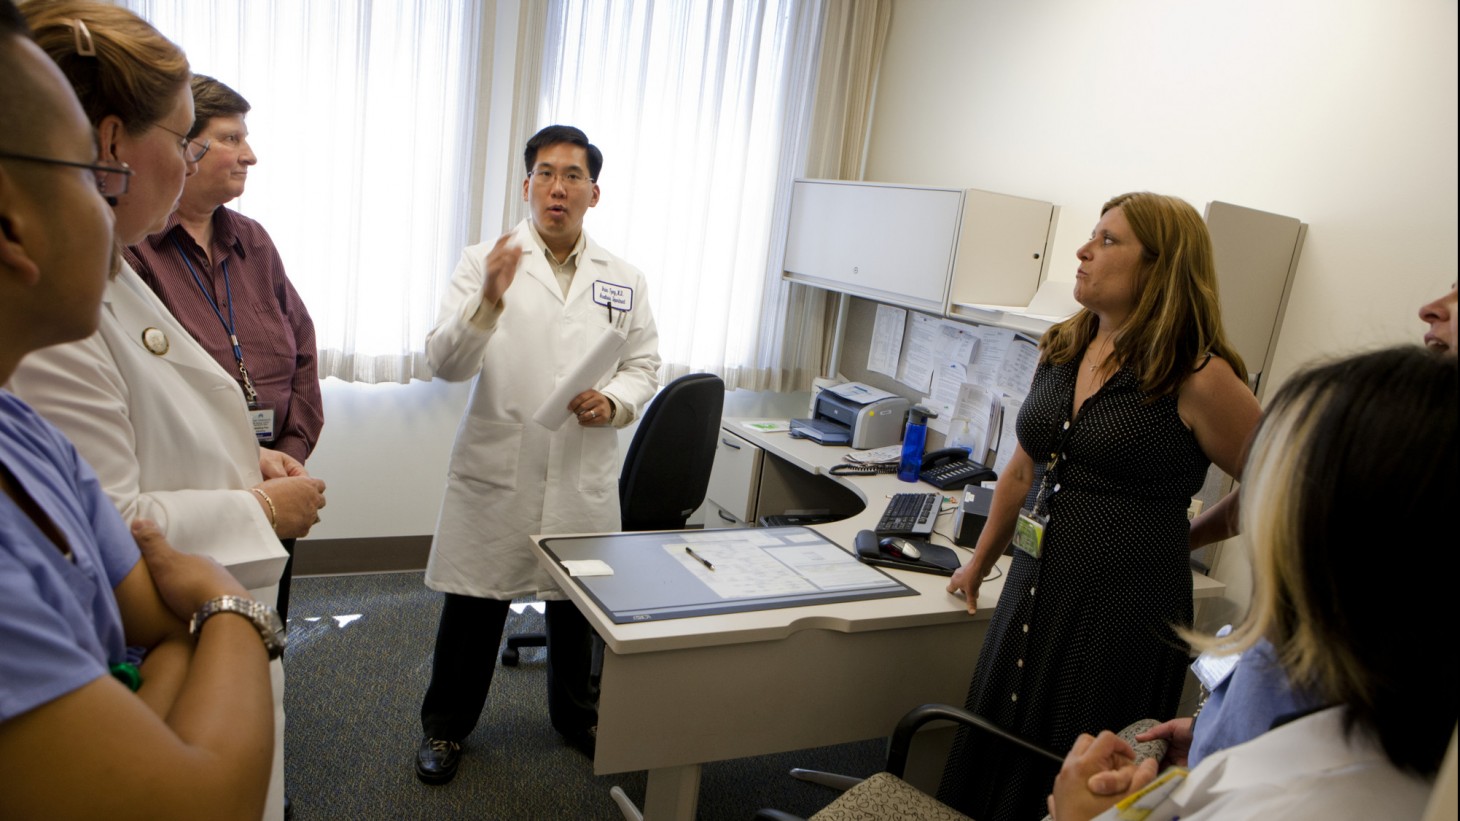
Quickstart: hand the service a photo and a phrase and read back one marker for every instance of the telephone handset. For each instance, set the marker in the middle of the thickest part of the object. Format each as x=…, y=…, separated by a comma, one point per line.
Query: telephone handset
x=951, y=467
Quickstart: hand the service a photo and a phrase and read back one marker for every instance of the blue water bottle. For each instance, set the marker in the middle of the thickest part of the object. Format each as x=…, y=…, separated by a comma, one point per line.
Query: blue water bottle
x=912, y=443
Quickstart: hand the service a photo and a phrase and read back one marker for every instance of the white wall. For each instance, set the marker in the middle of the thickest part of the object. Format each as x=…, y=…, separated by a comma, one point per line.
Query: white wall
x=383, y=455
x=1341, y=113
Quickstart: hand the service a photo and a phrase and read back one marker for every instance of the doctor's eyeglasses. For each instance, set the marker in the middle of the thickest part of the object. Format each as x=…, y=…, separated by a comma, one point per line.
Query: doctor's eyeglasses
x=569, y=179
x=111, y=180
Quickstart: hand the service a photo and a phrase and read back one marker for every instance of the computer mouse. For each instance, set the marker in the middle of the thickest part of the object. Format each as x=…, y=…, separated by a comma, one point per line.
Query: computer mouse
x=902, y=548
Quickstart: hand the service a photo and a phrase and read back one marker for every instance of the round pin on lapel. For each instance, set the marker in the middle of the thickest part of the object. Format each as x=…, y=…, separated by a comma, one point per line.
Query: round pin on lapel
x=155, y=341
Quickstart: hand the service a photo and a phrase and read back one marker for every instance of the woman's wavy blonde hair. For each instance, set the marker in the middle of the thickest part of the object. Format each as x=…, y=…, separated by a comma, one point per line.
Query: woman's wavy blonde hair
x=1177, y=319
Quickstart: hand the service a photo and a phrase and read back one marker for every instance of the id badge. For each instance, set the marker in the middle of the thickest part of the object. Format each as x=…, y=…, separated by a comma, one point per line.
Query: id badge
x=1211, y=669
x=1029, y=533
x=261, y=417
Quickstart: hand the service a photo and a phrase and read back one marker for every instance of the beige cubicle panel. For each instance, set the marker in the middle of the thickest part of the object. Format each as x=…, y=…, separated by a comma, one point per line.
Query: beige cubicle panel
x=1256, y=254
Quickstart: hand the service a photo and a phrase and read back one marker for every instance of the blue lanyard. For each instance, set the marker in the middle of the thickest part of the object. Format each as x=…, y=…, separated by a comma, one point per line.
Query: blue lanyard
x=228, y=324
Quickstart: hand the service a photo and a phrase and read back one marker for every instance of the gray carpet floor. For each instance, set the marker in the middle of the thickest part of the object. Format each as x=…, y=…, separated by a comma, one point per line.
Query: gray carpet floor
x=358, y=662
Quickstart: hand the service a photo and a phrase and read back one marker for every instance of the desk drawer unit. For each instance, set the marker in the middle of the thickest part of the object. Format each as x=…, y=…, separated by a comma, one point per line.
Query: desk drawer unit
x=716, y=517
x=734, y=481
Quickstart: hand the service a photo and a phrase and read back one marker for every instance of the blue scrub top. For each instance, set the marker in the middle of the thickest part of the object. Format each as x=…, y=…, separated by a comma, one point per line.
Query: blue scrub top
x=1246, y=703
x=59, y=624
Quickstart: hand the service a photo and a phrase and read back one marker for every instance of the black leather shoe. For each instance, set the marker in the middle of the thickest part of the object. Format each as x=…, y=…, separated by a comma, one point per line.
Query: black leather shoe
x=584, y=741
x=436, y=760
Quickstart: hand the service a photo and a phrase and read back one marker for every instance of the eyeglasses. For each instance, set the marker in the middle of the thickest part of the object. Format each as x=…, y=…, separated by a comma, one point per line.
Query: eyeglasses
x=111, y=180
x=569, y=179
x=191, y=149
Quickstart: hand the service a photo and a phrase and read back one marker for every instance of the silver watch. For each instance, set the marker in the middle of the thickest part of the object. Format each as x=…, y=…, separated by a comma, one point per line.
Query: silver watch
x=264, y=617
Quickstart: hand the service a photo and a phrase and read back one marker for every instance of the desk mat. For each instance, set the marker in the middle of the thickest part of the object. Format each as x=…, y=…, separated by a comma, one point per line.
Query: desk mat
x=686, y=573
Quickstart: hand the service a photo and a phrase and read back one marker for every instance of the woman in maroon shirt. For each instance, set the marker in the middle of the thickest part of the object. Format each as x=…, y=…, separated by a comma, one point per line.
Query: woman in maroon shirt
x=219, y=273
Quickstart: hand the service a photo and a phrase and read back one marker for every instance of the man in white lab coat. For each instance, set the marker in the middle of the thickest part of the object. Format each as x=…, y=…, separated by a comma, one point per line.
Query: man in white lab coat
x=520, y=315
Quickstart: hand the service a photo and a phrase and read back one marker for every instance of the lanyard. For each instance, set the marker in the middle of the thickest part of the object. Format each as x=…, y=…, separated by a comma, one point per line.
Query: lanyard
x=228, y=324
x=1041, y=500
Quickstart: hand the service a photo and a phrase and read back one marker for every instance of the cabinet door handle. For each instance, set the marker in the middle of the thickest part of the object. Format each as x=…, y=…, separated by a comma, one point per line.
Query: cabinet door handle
x=727, y=517
x=729, y=444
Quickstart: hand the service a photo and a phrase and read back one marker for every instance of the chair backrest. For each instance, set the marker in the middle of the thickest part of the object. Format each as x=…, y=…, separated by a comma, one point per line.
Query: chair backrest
x=667, y=468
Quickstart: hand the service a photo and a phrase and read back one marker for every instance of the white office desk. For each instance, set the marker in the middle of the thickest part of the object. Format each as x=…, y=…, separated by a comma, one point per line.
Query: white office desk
x=677, y=693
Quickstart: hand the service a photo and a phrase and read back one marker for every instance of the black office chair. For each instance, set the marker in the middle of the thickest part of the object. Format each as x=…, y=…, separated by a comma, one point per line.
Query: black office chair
x=667, y=469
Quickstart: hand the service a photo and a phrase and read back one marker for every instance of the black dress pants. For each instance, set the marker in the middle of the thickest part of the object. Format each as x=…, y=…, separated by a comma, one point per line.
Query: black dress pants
x=467, y=642
x=283, y=600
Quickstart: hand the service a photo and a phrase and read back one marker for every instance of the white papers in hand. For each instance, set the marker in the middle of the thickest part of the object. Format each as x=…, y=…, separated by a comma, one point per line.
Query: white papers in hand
x=600, y=358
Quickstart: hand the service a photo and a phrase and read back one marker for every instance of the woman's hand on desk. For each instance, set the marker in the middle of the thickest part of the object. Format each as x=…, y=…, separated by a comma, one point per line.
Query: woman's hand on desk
x=966, y=582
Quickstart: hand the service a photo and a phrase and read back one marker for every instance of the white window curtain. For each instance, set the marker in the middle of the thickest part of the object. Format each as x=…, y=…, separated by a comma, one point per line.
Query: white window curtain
x=699, y=109
x=365, y=122
x=705, y=112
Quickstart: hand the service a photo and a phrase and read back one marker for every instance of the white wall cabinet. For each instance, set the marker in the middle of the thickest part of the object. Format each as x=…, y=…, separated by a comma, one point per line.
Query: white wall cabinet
x=918, y=247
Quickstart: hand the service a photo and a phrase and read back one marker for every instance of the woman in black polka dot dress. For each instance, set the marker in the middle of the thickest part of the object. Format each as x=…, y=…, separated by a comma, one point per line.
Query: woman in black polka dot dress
x=1134, y=397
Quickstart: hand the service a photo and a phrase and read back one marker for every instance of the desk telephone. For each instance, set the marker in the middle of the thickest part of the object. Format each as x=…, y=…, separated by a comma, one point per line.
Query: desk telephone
x=951, y=467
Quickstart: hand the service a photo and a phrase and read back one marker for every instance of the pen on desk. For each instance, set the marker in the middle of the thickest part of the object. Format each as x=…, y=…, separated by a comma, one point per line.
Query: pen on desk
x=697, y=557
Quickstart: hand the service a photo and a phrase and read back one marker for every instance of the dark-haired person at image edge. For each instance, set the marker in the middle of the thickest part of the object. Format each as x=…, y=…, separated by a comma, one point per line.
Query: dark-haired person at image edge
x=1134, y=397
x=86, y=730
x=1352, y=457
x=165, y=427
x=219, y=273
x=1440, y=316
x=518, y=315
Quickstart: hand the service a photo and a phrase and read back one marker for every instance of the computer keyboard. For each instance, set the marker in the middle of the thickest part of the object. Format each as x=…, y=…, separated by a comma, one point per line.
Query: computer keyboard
x=910, y=513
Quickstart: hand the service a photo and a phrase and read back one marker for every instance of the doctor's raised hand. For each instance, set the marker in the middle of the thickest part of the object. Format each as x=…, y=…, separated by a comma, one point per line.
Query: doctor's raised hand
x=501, y=269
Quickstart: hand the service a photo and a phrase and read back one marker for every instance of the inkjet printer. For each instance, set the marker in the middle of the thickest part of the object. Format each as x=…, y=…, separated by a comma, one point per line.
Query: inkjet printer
x=854, y=414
